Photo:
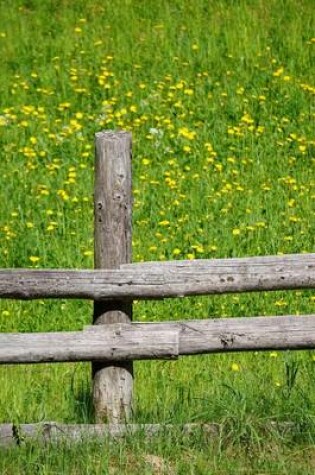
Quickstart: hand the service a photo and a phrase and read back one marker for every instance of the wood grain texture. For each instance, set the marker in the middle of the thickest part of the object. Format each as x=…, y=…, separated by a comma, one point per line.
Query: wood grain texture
x=54, y=432
x=112, y=383
x=166, y=340
x=157, y=280
x=108, y=343
x=112, y=199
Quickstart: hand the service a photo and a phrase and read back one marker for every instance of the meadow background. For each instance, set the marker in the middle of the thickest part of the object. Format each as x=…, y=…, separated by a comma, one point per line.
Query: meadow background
x=219, y=97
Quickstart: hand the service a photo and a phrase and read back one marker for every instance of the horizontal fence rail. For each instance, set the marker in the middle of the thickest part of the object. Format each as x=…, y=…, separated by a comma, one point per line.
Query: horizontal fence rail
x=166, y=340
x=55, y=432
x=45, y=432
x=157, y=280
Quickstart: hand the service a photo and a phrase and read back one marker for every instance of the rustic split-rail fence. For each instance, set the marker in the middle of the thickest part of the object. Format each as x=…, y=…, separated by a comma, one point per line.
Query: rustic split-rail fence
x=114, y=341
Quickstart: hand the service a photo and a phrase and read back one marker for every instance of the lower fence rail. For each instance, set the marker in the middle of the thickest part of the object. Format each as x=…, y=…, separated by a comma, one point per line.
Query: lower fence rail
x=55, y=432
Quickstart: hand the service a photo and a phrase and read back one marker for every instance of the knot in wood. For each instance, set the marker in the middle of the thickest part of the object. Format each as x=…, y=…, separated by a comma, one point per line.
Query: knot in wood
x=227, y=340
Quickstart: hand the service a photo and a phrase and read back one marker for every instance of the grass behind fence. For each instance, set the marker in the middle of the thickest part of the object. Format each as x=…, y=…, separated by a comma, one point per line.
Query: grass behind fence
x=219, y=97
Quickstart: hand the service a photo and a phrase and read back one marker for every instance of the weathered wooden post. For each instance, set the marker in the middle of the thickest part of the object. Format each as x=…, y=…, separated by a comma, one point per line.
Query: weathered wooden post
x=113, y=383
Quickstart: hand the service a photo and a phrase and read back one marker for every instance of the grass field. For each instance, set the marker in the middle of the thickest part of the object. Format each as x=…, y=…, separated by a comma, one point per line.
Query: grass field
x=219, y=97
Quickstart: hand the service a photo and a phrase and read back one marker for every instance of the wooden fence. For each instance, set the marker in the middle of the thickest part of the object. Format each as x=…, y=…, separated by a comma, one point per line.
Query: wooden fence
x=113, y=342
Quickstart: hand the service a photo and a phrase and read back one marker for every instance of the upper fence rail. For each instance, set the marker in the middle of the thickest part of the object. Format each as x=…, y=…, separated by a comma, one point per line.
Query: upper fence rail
x=158, y=280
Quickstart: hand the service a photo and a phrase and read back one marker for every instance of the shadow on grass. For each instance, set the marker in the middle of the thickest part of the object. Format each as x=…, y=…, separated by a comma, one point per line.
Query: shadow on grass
x=80, y=395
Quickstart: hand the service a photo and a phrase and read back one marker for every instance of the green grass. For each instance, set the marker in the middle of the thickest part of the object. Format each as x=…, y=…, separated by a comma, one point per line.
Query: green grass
x=170, y=454
x=219, y=97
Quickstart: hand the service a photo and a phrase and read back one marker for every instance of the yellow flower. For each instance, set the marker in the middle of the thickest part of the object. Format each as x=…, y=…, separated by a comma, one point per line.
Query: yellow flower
x=260, y=224
x=164, y=223
x=63, y=194
x=52, y=226
x=278, y=72
x=34, y=259
x=188, y=134
x=235, y=367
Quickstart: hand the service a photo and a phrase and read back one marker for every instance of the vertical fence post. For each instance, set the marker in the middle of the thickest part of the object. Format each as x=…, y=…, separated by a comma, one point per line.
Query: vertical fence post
x=112, y=382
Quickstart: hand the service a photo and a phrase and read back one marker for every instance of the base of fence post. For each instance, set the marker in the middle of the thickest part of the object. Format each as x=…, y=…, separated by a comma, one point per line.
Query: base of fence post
x=112, y=393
